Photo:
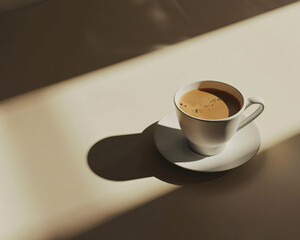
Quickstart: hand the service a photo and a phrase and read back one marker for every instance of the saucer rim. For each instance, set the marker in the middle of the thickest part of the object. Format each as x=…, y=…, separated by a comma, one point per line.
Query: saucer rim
x=204, y=171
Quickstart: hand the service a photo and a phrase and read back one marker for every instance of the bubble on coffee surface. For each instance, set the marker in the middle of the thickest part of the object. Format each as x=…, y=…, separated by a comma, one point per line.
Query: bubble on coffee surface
x=209, y=104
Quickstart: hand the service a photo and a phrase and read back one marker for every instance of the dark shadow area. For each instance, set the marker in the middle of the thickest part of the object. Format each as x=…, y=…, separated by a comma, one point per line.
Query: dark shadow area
x=128, y=157
x=10, y=5
x=55, y=40
x=259, y=200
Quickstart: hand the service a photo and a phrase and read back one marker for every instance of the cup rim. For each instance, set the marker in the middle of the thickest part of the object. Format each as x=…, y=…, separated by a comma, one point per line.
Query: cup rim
x=211, y=120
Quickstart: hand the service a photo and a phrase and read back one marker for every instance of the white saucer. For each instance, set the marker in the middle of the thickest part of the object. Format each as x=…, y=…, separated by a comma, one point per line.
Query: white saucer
x=172, y=144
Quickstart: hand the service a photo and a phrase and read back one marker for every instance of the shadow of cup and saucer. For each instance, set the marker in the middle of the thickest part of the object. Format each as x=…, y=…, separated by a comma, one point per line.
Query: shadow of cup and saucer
x=128, y=157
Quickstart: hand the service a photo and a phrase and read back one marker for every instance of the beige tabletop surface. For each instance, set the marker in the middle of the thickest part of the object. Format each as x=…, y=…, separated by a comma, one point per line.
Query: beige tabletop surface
x=47, y=188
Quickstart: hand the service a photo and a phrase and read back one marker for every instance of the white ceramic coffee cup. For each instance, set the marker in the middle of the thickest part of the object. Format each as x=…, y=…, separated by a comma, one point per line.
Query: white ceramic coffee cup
x=209, y=137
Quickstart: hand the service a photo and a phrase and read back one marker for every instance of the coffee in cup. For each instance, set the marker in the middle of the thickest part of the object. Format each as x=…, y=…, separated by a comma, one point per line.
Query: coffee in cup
x=209, y=103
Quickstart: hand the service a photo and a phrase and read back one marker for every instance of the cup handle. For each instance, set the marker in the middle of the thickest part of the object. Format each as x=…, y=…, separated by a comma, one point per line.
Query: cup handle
x=256, y=113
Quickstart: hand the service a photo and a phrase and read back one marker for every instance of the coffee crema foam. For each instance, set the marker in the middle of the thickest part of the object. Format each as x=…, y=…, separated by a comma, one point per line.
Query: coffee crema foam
x=209, y=103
